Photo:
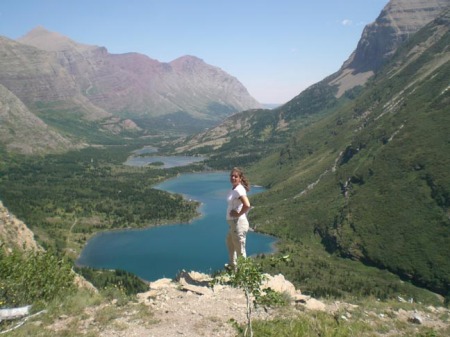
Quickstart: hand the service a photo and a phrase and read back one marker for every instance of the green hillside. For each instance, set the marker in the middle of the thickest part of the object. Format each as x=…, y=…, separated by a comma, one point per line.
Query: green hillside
x=371, y=176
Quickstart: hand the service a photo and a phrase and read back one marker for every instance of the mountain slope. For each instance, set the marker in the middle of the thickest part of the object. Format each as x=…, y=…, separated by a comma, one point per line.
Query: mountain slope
x=365, y=171
x=371, y=178
x=398, y=21
x=21, y=131
x=133, y=84
x=91, y=96
x=43, y=110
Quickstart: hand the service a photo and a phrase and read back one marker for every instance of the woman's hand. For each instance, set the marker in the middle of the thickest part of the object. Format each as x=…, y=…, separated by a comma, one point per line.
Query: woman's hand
x=234, y=213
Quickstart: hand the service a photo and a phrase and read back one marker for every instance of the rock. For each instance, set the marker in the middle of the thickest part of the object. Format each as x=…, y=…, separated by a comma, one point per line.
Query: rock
x=431, y=308
x=194, y=278
x=416, y=319
x=401, y=299
x=313, y=304
x=299, y=298
x=279, y=284
x=81, y=282
x=162, y=283
x=200, y=290
x=14, y=233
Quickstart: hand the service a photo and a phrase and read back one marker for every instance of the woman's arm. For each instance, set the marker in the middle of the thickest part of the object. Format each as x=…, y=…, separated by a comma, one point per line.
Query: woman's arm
x=245, y=207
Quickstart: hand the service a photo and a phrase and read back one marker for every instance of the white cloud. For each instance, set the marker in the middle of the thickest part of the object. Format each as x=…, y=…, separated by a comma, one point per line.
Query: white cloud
x=346, y=22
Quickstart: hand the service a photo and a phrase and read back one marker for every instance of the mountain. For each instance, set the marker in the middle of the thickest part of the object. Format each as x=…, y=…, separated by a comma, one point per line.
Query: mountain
x=133, y=84
x=399, y=20
x=370, y=178
x=364, y=170
x=85, y=93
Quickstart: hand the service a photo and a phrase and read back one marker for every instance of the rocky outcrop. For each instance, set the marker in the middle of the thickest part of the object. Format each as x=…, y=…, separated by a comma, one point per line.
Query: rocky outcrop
x=14, y=234
x=190, y=306
x=399, y=20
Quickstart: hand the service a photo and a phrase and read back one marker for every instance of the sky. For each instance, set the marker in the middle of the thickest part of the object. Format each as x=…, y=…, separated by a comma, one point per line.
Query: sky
x=275, y=48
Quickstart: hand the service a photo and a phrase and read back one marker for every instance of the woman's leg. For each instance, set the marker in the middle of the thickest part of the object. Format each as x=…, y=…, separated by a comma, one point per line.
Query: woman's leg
x=241, y=236
x=231, y=250
x=231, y=243
x=236, y=239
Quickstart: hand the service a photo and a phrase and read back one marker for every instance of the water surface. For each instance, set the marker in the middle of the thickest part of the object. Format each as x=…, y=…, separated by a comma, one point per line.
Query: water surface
x=164, y=251
x=145, y=156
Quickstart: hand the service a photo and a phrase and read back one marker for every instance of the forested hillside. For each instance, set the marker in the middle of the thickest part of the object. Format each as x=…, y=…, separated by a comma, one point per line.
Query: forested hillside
x=371, y=177
x=64, y=199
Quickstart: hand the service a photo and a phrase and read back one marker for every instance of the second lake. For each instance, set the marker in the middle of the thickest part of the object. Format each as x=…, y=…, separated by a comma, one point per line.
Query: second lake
x=164, y=251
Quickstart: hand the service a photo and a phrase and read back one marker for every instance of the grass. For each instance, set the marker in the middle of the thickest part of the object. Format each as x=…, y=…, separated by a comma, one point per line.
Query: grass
x=84, y=313
x=88, y=314
x=369, y=318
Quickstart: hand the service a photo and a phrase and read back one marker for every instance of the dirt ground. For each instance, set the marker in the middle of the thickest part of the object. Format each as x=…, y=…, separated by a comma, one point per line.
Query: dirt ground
x=189, y=307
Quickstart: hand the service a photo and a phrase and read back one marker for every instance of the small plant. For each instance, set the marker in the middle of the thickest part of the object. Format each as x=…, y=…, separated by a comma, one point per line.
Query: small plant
x=248, y=276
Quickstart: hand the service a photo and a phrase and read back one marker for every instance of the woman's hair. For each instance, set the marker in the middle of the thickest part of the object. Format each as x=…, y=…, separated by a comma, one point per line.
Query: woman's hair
x=244, y=181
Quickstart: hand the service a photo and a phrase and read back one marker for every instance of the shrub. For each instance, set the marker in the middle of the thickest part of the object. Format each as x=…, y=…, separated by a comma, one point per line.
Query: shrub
x=33, y=277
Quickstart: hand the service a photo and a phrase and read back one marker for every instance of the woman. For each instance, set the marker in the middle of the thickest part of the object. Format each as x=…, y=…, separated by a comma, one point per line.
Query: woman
x=238, y=206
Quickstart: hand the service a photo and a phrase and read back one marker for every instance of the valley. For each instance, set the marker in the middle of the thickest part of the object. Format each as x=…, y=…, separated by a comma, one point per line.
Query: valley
x=355, y=167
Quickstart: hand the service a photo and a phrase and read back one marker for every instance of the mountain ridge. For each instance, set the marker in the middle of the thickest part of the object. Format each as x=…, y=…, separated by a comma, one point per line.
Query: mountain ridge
x=89, y=95
x=324, y=94
x=150, y=73
x=383, y=156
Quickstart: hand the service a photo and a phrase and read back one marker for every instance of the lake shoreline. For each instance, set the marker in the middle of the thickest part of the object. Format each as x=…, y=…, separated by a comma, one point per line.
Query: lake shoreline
x=131, y=249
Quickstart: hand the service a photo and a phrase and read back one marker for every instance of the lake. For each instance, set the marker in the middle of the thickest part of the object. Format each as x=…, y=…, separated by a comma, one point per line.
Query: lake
x=146, y=156
x=163, y=251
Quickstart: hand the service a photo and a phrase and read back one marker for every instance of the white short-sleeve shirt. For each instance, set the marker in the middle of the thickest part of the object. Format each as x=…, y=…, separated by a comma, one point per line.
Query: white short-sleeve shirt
x=234, y=201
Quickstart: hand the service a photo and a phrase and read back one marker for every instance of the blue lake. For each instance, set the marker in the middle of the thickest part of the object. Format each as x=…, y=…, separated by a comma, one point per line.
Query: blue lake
x=164, y=251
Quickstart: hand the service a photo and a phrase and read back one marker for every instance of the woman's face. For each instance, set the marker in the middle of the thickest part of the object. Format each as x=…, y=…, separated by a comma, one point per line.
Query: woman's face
x=235, y=178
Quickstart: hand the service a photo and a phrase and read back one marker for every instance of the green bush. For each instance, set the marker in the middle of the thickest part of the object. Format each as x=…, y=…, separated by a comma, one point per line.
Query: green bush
x=127, y=282
x=33, y=277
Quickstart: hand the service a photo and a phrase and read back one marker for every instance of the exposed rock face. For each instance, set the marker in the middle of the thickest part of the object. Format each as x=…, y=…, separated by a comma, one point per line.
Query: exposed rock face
x=399, y=20
x=14, y=233
x=396, y=23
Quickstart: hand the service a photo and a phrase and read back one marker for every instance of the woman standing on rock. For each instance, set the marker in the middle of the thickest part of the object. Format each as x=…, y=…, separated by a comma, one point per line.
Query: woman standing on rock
x=238, y=206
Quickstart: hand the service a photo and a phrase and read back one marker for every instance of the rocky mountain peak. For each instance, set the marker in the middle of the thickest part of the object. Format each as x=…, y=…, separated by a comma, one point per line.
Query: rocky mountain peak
x=396, y=23
x=187, y=59
x=399, y=20
x=44, y=39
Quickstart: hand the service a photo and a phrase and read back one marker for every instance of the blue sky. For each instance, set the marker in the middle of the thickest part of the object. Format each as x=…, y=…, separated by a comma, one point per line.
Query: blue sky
x=276, y=48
